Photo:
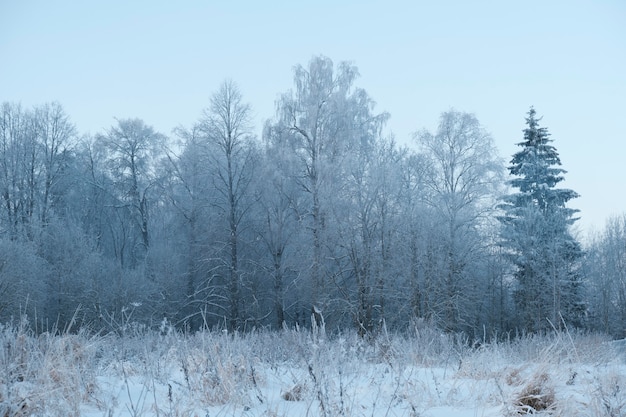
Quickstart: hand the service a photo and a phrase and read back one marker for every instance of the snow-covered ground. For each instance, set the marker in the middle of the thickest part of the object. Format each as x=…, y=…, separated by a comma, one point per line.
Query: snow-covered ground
x=296, y=373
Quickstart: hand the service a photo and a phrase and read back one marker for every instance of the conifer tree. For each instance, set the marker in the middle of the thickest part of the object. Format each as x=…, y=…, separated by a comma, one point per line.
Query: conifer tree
x=536, y=231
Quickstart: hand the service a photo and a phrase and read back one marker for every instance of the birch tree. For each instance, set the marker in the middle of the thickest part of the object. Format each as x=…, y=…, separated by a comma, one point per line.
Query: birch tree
x=324, y=118
x=56, y=136
x=226, y=125
x=462, y=179
x=133, y=150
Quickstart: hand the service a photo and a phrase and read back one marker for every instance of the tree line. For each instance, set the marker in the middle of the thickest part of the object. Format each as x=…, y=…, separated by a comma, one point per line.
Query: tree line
x=212, y=226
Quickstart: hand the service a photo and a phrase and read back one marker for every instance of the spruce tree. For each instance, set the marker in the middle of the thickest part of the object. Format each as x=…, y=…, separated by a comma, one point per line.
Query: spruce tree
x=536, y=231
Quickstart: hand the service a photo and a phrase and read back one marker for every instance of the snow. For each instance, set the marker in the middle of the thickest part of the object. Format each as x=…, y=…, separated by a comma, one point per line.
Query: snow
x=294, y=373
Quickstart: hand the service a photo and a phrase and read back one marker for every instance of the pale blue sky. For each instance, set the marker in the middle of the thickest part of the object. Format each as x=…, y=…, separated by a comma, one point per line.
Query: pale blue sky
x=161, y=60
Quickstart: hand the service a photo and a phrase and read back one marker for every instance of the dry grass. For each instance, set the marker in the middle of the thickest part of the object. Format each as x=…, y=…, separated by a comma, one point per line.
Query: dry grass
x=610, y=398
x=296, y=393
x=45, y=372
x=148, y=373
x=537, y=395
x=216, y=379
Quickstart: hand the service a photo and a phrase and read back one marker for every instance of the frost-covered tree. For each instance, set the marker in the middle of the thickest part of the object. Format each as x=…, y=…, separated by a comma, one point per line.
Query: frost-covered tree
x=188, y=193
x=605, y=267
x=277, y=225
x=132, y=151
x=226, y=126
x=56, y=135
x=462, y=180
x=367, y=229
x=536, y=231
x=34, y=156
x=324, y=120
x=17, y=170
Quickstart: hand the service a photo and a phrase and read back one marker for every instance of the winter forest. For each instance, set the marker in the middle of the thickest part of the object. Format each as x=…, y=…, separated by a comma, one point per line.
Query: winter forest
x=321, y=218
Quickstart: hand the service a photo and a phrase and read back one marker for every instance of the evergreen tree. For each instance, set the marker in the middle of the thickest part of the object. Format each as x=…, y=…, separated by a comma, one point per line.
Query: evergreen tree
x=536, y=231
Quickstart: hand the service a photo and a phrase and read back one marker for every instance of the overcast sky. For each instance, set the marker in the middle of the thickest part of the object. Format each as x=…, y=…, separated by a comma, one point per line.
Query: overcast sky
x=161, y=60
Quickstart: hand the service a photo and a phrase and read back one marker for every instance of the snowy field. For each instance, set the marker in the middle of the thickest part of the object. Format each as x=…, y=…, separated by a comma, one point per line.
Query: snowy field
x=297, y=373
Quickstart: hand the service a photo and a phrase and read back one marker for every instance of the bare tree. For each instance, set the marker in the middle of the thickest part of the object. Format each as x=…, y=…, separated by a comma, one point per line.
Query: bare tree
x=17, y=169
x=189, y=193
x=226, y=126
x=605, y=270
x=278, y=222
x=462, y=182
x=133, y=149
x=56, y=135
x=324, y=119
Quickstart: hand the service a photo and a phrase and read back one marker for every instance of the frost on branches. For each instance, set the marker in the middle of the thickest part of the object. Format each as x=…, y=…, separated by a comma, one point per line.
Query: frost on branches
x=536, y=232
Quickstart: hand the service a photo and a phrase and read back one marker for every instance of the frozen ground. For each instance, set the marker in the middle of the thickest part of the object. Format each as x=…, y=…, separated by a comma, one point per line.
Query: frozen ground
x=296, y=373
